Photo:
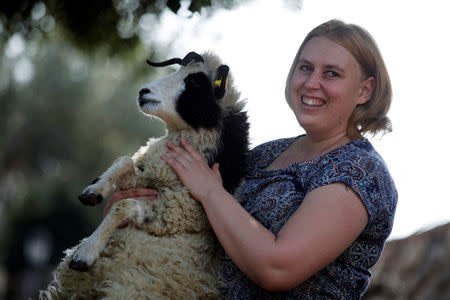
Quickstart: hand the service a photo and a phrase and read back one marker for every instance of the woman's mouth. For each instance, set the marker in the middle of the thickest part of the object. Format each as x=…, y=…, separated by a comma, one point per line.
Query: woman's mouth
x=310, y=101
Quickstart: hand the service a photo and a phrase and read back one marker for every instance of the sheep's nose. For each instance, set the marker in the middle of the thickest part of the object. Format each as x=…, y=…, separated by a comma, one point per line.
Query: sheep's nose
x=144, y=91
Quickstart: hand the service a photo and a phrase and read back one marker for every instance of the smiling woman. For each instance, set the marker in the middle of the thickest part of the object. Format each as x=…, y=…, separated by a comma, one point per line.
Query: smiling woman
x=326, y=87
x=356, y=50
x=316, y=209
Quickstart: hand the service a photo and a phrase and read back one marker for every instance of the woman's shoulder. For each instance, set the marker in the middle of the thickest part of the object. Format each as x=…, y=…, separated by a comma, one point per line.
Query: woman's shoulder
x=359, y=162
x=357, y=159
x=360, y=154
x=361, y=167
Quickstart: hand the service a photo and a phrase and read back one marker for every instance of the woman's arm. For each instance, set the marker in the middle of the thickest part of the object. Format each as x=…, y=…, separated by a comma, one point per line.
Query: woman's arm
x=330, y=218
x=135, y=193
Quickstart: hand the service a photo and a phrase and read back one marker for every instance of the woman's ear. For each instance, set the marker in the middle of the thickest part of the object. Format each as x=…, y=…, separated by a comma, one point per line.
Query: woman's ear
x=366, y=90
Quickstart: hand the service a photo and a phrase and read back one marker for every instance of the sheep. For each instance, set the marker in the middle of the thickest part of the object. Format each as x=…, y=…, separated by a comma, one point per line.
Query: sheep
x=169, y=251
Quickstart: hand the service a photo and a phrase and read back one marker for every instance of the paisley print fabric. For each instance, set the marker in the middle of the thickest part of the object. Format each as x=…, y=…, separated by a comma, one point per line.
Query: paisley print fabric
x=272, y=196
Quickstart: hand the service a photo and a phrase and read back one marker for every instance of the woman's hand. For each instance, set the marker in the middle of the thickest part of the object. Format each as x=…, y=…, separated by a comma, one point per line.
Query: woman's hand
x=192, y=170
x=135, y=193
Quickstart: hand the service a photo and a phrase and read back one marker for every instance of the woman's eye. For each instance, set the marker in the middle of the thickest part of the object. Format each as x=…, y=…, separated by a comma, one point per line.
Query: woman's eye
x=332, y=74
x=305, y=68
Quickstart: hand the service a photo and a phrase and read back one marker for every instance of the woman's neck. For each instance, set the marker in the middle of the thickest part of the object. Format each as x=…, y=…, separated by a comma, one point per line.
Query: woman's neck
x=306, y=148
x=317, y=145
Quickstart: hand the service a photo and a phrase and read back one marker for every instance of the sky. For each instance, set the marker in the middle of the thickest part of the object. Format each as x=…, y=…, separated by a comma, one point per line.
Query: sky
x=259, y=39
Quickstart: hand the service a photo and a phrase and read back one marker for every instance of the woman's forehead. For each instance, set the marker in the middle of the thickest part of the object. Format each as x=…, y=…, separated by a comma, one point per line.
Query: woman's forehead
x=325, y=52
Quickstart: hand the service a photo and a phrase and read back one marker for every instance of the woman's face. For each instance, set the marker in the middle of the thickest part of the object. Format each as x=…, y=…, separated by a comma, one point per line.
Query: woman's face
x=326, y=86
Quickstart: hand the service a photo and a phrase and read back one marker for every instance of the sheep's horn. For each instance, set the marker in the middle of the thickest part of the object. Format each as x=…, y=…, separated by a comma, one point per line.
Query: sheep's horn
x=191, y=56
x=165, y=63
x=188, y=58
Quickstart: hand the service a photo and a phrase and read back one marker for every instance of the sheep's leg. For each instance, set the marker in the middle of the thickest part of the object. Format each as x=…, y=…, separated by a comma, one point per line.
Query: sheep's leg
x=121, y=175
x=137, y=211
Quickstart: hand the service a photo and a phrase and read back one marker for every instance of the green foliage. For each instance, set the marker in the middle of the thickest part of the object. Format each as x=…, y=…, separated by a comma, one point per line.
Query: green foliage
x=88, y=24
x=61, y=130
x=68, y=88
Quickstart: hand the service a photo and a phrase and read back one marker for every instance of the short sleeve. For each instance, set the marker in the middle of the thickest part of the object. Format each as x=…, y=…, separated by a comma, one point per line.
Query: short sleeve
x=273, y=196
x=368, y=176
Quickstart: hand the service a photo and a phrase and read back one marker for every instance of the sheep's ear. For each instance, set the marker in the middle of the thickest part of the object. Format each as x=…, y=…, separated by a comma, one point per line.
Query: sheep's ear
x=220, y=81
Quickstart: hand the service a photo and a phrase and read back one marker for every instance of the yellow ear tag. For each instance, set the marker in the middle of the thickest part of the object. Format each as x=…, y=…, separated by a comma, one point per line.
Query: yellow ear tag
x=218, y=82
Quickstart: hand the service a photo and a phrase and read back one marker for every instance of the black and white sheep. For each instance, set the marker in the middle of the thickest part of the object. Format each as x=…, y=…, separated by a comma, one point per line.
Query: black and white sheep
x=169, y=251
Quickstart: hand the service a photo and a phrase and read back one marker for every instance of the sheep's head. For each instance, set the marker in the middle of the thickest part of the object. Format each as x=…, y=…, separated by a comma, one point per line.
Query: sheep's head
x=189, y=97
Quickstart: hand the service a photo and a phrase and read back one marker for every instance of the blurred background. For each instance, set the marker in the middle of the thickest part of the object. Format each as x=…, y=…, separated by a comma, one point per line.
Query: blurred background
x=70, y=73
x=69, y=76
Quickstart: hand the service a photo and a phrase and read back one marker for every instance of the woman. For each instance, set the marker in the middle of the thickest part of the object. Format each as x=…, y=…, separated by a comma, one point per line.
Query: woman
x=316, y=210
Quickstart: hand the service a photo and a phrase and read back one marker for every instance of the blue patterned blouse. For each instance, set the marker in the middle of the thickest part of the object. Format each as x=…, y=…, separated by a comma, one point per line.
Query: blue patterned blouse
x=272, y=196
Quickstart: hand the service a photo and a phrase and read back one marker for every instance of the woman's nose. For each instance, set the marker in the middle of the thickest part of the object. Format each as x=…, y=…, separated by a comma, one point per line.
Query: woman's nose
x=313, y=81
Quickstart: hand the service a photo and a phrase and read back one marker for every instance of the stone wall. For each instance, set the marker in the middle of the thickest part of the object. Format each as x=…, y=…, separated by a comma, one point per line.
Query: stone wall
x=417, y=267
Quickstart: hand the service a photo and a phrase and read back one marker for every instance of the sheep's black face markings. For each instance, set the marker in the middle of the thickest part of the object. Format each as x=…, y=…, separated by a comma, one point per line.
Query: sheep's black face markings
x=197, y=104
x=232, y=156
x=142, y=97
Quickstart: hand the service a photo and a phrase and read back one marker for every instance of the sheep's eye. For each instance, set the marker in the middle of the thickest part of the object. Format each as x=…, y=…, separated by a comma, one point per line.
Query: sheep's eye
x=192, y=81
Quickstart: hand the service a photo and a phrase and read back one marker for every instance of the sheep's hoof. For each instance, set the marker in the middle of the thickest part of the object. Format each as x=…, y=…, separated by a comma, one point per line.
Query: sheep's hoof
x=79, y=266
x=90, y=199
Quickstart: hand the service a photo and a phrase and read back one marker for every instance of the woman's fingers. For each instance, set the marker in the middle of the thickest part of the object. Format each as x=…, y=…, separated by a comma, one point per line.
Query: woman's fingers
x=179, y=154
x=174, y=163
x=135, y=193
x=192, y=169
x=190, y=149
x=184, y=154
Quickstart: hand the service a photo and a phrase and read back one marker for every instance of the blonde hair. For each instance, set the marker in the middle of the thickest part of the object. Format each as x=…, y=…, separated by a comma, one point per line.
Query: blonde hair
x=370, y=117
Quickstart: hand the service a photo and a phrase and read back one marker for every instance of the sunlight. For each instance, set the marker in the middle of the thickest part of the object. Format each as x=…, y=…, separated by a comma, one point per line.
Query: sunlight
x=39, y=10
x=15, y=46
x=23, y=71
x=263, y=38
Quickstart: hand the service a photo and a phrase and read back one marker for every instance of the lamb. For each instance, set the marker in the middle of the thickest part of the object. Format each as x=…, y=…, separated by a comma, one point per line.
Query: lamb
x=169, y=251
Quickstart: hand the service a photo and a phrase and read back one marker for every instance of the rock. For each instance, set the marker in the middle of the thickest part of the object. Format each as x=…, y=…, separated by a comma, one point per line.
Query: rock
x=417, y=267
